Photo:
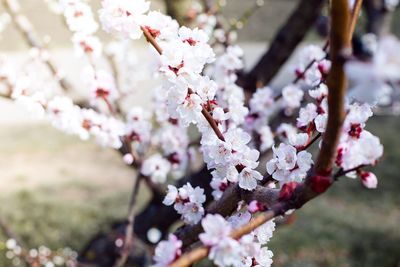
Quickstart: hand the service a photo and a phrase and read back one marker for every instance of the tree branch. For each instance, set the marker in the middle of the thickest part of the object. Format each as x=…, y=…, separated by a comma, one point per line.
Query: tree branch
x=340, y=49
x=20, y=23
x=306, y=191
x=225, y=206
x=283, y=45
x=129, y=228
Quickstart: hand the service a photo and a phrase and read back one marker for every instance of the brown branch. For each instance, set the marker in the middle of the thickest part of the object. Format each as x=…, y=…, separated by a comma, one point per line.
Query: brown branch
x=305, y=192
x=29, y=37
x=283, y=44
x=225, y=206
x=205, y=113
x=355, y=13
x=340, y=49
x=129, y=228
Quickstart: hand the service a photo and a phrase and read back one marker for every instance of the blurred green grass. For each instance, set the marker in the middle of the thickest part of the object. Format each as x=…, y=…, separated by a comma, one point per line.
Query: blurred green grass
x=348, y=226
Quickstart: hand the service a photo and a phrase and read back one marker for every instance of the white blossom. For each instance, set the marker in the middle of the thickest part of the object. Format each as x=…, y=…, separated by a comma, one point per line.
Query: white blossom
x=123, y=16
x=156, y=167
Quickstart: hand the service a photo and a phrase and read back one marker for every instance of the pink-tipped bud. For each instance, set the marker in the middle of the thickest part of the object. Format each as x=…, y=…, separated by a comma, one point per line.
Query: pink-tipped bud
x=254, y=207
x=369, y=180
x=128, y=159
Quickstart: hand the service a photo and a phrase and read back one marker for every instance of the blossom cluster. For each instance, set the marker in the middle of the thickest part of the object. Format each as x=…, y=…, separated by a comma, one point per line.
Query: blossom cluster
x=199, y=87
x=248, y=251
x=187, y=201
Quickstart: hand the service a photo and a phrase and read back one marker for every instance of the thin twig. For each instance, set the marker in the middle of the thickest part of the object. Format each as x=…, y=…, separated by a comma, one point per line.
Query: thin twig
x=129, y=228
x=205, y=113
x=18, y=20
x=355, y=13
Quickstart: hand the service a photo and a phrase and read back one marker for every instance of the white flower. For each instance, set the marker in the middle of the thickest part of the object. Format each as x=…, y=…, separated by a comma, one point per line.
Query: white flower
x=265, y=232
x=188, y=202
x=262, y=100
x=248, y=178
x=285, y=130
x=310, y=53
x=171, y=196
x=102, y=87
x=167, y=251
x=298, y=140
x=304, y=160
x=288, y=165
x=292, y=96
x=123, y=16
x=285, y=158
x=359, y=114
x=79, y=18
x=205, y=88
x=266, y=137
x=264, y=258
x=216, y=228
x=192, y=37
x=307, y=115
x=192, y=213
x=219, y=185
x=231, y=60
x=219, y=152
x=160, y=26
x=363, y=151
x=226, y=253
x=219, y=114
x=156, y=167
x=87, y=44
x=237, y=138
x=321, y=122
x=320, y=92
x=190, y=109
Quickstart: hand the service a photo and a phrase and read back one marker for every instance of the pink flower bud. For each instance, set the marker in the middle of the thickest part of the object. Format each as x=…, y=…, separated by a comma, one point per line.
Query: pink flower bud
x=254, y=206
x=128, y=159
x=369, y=180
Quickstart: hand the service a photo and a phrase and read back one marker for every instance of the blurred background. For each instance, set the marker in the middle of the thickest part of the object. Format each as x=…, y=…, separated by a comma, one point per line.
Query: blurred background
x=59, y=191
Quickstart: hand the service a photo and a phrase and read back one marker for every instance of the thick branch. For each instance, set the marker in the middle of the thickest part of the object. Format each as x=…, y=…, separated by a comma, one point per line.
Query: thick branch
x=340, y=44
x=306, y=191
x=284, y=43
x=225, y=206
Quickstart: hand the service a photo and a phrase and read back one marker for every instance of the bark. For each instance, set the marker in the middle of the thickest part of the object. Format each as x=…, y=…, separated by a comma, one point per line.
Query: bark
x=283, y=44
x=225, y=206
x=302, y=193
x=379, y=19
